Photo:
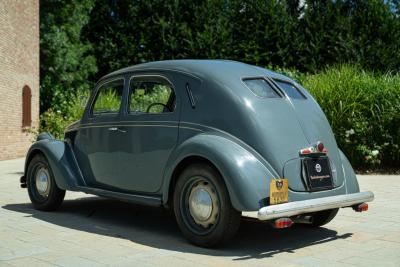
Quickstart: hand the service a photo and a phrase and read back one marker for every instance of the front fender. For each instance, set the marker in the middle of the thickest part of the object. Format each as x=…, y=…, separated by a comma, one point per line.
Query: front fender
x=246, y=177
x=62, y=162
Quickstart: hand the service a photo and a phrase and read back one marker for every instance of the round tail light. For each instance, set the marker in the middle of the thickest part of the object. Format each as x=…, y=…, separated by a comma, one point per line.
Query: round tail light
x=320, y=147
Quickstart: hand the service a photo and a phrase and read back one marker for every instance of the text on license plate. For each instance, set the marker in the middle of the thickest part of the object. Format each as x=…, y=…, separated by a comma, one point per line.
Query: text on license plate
x=278, y=191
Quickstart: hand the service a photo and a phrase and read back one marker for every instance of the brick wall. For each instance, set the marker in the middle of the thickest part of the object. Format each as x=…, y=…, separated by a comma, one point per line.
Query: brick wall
x=19, y=66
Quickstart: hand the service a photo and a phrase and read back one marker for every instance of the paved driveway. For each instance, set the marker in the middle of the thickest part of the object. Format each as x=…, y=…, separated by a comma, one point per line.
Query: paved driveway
x=92, y=231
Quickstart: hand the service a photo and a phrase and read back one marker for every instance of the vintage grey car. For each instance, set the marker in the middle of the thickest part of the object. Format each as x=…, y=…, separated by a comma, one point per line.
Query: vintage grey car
x=213, y=140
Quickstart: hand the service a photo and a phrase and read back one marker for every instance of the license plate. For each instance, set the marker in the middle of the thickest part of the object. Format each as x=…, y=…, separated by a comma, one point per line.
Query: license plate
x=278, y=191
x=318, y=172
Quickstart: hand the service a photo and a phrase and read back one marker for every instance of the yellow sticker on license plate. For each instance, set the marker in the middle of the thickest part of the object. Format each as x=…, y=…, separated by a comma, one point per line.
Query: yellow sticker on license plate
x=278, y=191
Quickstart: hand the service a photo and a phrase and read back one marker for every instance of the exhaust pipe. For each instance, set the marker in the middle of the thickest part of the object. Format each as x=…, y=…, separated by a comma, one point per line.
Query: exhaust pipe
x=304, y=219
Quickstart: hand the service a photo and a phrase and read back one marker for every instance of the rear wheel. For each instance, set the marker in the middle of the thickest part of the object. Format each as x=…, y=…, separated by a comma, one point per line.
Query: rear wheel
x=42, y=188
x=202, y=207
x=323, y=217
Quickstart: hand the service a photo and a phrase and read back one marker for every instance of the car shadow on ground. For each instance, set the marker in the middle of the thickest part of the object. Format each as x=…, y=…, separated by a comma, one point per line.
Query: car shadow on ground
x=16, y=173
x=157, y=228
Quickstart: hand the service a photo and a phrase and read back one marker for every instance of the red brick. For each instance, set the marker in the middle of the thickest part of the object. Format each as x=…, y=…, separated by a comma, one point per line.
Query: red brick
x=19, y=66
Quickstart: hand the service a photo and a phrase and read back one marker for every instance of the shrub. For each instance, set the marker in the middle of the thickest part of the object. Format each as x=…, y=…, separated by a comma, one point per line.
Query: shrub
x=55, y=122
x=364, y=112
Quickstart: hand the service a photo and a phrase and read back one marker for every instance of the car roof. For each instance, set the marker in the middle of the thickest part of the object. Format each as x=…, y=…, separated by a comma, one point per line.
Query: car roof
x=203, y=68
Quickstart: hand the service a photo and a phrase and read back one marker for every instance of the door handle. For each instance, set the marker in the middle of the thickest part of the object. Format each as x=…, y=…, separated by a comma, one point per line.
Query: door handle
x=114, y=129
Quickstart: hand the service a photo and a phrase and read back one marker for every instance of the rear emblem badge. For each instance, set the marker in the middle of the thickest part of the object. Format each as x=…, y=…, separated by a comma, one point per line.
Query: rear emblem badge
x=318, y=167
x=279, y=184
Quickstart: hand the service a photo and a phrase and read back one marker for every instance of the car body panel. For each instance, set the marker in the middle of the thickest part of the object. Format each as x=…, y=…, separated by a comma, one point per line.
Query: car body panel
x=147, y=147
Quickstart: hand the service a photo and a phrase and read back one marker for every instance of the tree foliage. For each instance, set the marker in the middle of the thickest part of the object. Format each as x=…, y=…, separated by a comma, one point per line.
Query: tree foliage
x=66, y=61
x=89, y=38
x=306, y=35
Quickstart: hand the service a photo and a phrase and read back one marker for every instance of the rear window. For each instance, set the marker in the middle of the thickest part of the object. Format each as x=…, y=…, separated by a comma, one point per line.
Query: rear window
x=291, y=90
x=261, y=88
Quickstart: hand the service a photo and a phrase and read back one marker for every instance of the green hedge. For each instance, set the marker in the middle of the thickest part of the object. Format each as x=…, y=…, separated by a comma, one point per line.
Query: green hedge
x=362, y=108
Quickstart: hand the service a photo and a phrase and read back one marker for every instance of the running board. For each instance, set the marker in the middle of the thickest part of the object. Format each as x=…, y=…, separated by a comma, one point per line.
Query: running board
x=154, y=201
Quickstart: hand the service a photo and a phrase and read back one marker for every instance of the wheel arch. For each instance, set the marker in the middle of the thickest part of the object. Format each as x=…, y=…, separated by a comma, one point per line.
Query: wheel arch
x=181, y=166
x=30, y=156
x=61, y=160
x=246, y=178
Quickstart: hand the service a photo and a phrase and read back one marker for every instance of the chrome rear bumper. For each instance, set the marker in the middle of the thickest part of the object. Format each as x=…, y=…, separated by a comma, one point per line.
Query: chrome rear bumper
x=311, y=205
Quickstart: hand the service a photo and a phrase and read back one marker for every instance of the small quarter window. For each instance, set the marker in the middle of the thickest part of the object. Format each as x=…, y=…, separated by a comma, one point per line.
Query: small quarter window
x=261, y=88
x=150, y=96
x=108, y=99
x=291, y=90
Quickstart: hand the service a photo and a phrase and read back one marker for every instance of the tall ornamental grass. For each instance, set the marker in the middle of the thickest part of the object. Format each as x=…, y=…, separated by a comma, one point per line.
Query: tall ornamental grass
x=364, y=112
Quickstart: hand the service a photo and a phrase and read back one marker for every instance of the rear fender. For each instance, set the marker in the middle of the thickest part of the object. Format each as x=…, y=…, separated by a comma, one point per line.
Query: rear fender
x=349, y=175
x=62, y=162
x=246, y=177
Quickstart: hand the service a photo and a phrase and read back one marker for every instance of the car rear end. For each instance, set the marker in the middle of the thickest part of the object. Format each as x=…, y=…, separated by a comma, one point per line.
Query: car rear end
x=295, y=137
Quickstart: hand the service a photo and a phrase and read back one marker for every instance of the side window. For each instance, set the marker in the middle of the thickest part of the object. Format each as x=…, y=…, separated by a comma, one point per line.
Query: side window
x=291, y=90
x=261, y=88
x=151, y=96
x=108, y=98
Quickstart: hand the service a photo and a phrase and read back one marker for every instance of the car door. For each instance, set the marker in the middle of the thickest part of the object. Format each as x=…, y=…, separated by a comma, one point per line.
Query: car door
x=97, y=142
x=151, y=121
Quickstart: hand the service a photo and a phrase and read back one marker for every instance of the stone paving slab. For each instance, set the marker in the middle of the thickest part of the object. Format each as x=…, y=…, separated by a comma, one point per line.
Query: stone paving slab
x=93, y=231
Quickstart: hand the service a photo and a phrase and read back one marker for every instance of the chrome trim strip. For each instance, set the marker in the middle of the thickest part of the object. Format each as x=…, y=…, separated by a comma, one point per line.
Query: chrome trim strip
x=313, y=205
x=344, y=175
x=129, y=125
x=190, y=128
x=126, y=122
x=140, y=125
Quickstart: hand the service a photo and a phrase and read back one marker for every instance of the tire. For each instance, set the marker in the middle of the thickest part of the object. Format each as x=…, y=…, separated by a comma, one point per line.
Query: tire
x=323, y=217
x=42, y=188
x=202, y=207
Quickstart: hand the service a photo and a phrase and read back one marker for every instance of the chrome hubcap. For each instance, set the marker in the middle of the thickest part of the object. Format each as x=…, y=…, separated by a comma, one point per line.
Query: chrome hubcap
x=42, y=180
x=203, y=204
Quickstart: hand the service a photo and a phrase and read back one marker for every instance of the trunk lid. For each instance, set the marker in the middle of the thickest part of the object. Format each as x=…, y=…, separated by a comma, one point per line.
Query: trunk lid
x=285, y=126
